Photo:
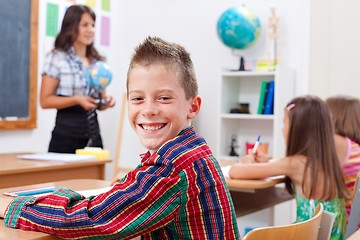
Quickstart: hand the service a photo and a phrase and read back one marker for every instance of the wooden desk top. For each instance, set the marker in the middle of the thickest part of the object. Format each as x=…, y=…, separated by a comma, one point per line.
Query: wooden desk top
x=239, y=185
x=10, y=164
x=78, y=184
x=84, y=184
x=250, y=184
x=354, y=236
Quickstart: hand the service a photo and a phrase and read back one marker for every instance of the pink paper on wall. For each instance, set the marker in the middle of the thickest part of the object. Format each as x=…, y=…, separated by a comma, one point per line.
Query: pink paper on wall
x=105, y=31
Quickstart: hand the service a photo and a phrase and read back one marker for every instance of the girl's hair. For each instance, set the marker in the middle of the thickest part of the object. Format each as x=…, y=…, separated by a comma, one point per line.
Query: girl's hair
x=154, y=50
x=311, y=135
x=345, y=112
x=70, y=30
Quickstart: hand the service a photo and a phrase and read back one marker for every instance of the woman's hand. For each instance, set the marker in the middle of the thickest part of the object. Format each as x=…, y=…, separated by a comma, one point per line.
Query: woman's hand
x=87, y=102
x=110, y=103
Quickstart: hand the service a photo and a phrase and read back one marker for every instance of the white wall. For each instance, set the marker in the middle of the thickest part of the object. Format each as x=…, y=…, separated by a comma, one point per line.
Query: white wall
x=335, y=51
x=192, y=24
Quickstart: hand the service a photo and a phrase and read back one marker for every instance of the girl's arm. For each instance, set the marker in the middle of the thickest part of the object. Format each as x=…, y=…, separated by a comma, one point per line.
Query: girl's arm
x=260, y=170
x=49, y=99
x=341, y=146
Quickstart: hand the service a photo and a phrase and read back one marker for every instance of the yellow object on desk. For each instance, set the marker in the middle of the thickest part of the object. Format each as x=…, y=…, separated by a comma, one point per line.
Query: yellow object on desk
x=99, y=153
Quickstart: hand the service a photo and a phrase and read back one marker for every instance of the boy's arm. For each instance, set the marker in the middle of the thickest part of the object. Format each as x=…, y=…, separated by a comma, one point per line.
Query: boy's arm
x=140, y=203
x=4, y=202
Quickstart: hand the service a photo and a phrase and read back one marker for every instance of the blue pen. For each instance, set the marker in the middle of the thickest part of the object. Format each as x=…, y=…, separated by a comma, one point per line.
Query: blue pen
x=256, y=145
x=31, y=192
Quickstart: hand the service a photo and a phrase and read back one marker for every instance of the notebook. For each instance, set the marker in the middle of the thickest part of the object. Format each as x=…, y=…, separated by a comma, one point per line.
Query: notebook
x=60, y=157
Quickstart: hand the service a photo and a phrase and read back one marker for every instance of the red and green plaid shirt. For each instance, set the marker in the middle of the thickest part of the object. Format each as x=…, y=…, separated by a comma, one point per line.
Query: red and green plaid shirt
x=176, y=193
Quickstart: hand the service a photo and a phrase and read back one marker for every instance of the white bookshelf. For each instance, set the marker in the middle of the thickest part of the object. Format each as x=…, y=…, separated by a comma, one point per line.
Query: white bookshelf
x=244, y=87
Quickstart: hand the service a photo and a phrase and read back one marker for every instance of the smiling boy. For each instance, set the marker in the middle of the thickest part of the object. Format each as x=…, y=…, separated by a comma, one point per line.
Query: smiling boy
x=177, y=192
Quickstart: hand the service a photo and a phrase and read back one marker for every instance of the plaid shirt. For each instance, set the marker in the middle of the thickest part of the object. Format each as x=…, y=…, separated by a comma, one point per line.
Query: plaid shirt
x=176, y=193
x=67, y=68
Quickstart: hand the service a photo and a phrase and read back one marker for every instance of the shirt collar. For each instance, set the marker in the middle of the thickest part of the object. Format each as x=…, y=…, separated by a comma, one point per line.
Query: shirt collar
x=187, y=131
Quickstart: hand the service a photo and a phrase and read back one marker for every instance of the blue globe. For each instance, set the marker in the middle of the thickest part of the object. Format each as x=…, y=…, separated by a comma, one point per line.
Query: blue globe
x=238, y=27
x=98, y=75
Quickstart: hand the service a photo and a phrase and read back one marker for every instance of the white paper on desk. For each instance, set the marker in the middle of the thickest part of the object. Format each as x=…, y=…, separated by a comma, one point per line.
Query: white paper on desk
x=275, y=177
x=60, y=157
x=225, y=170
x=94, y=192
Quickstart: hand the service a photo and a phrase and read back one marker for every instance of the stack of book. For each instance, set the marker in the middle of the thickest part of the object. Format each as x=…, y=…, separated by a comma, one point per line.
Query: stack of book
x=266, y=99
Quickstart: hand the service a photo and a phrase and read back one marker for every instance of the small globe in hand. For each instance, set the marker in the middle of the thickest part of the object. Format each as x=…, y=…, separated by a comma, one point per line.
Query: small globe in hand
x=238, y=27
x=98, y=75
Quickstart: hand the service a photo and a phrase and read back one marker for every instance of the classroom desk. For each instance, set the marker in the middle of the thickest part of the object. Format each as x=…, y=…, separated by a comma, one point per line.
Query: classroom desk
x=251, y=195
x=263, y=194
x=74, y=184
x=17, y=172
x=354, y=236
x=254, y=195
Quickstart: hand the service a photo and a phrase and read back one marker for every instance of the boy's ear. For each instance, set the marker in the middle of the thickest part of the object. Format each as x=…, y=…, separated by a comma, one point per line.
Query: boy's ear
x=194, y=107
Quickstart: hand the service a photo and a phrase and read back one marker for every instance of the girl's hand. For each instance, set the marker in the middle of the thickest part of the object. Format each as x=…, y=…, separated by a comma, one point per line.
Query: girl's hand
x=260, y=156
x=249, y=158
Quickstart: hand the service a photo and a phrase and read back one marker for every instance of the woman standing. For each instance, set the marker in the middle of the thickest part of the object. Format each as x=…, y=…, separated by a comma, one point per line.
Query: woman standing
x=65, y=88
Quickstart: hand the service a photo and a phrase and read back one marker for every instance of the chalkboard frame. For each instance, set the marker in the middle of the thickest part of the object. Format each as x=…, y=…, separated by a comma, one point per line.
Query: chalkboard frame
x=30, y=121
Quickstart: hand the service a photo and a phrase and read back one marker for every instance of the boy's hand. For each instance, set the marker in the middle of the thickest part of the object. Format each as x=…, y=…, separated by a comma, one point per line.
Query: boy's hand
x=116, y=179
x=121, y=174
x=4, y=202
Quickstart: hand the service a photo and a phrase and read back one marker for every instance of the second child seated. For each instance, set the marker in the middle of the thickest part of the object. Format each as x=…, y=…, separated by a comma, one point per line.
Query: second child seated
x=311, y=166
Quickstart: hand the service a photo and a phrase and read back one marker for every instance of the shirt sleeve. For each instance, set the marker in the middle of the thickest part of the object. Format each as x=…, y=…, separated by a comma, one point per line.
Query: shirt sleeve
x=140, y=203
x=51, y=65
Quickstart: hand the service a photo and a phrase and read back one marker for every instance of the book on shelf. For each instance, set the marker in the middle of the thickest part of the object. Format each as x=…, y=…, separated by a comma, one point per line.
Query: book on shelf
x=269, y=99
x=262, y=97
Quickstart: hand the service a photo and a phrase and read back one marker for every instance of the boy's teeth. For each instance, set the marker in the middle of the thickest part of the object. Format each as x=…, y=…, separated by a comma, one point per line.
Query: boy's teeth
x=152, y=128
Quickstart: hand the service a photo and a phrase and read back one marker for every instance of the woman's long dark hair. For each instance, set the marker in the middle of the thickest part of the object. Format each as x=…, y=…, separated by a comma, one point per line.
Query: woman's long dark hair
x=70, y=30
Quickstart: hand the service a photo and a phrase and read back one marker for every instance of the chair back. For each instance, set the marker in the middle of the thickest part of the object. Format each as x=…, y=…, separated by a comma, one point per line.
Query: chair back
x=353, y=221
x=308, y=229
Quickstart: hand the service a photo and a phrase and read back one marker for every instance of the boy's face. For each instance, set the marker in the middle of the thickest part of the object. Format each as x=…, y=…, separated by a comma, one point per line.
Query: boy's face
x=157, y=107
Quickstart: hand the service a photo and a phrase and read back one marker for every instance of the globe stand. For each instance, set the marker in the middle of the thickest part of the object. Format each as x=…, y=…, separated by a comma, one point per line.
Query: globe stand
x=242, y=64
x=95, y=93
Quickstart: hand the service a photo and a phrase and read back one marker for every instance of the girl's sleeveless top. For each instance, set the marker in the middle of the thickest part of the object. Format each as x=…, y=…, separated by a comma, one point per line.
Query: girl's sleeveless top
x=305, y=210
x=351, y=167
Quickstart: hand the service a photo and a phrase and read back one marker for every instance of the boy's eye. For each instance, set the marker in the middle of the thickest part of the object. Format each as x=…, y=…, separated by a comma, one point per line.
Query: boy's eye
x=165, y=98
x=136, y=99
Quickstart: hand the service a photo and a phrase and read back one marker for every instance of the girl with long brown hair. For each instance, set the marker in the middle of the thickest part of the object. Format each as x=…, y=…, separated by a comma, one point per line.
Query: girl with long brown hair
x=345, y=112
x=311, y=166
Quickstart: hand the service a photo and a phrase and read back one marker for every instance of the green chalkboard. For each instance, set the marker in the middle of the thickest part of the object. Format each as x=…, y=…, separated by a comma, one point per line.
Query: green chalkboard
x=18, y=63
